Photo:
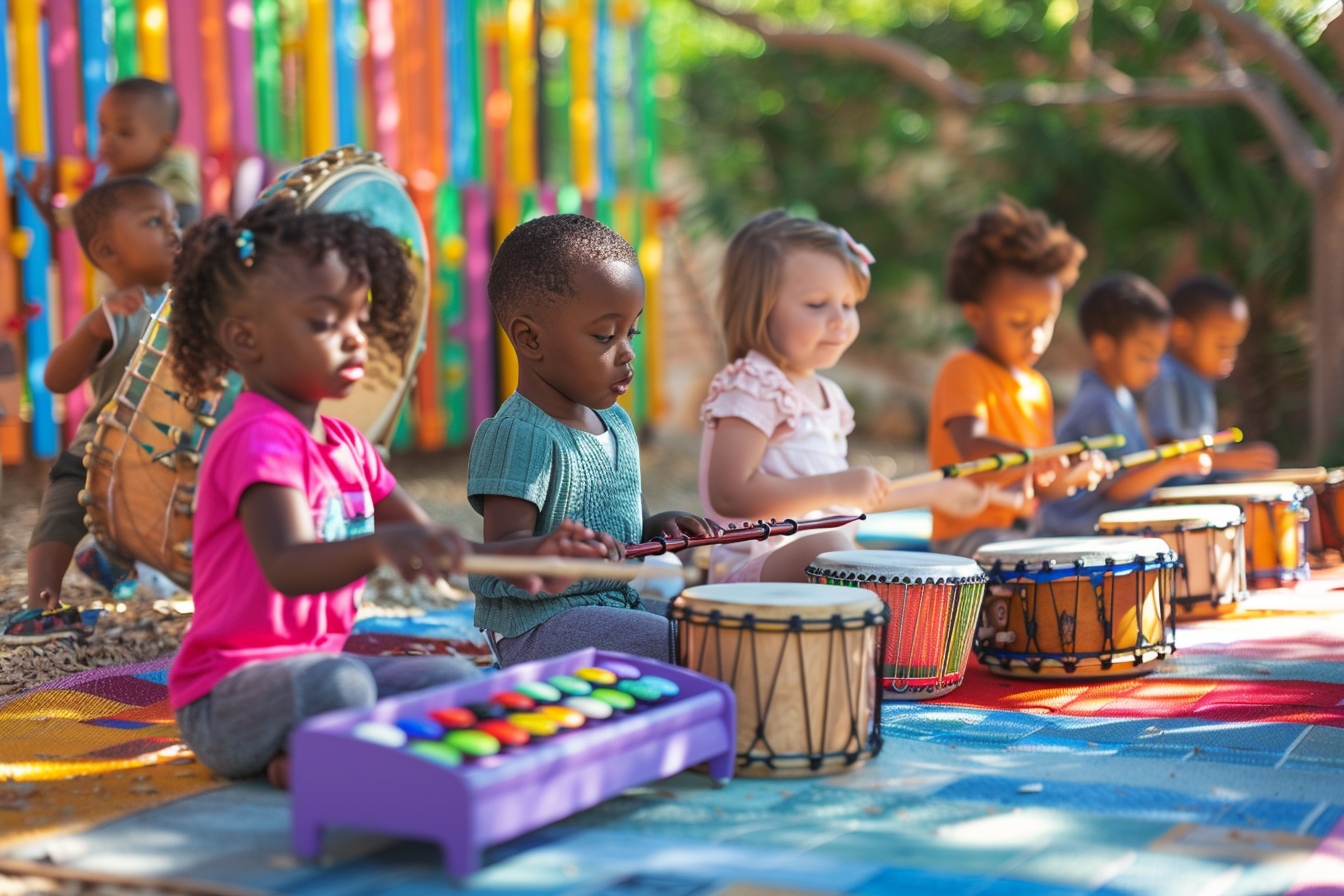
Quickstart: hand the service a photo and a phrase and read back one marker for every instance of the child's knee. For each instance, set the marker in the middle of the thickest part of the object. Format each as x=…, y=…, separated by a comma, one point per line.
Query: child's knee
x=334, y=682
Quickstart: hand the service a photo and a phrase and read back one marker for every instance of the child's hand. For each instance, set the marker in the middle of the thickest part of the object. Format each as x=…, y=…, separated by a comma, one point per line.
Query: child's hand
x=1086, y=472
x=125, y=301
x=1199, y=463
x=1257, y=457
x=676, y=524
x=417, y=551
x=39, y=192
x=861, y=487
x=960, y=497
x=570, y=539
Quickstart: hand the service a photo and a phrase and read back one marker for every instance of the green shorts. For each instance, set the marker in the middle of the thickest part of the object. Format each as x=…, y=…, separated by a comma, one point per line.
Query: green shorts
x=61, y=517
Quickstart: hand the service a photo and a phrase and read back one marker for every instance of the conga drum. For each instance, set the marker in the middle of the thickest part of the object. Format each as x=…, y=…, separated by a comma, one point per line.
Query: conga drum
x=1330, y=503
x=1276, y=525
x=1312, y=480
x=803, y=662
x=143, y=461
x=1210, y=545
x=1095, y=607
x=934, y=601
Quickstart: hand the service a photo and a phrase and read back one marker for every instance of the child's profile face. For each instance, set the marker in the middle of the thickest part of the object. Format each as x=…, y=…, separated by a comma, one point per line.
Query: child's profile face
x=587, y=351
x=815, y=318
x=302, y=332
x=131, y=135
x=141, y=240
x=1014, y=320
x=1137, y=355
x=1208, y=345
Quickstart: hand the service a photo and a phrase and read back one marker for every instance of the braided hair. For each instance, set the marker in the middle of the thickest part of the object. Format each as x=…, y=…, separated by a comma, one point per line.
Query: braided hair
x=211, y=276
x=1010, y=235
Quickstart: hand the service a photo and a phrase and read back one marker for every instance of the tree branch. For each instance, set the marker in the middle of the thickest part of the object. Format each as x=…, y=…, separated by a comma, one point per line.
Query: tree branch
x=1287, y=61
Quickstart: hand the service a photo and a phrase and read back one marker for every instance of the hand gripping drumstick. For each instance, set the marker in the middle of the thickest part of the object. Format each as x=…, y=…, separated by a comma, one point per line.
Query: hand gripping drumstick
x=1176, y=449
x=1008, y=459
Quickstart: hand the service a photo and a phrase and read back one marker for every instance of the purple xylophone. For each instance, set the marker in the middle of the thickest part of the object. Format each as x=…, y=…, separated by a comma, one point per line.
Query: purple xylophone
x=471, y=765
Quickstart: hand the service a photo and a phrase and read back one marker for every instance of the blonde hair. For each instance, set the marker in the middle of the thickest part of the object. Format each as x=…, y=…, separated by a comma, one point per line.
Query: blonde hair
x=753, y=267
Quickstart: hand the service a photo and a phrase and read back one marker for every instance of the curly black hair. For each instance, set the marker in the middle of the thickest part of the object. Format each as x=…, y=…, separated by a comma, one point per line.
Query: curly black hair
x=1196, y=296
x=1116, y=304
x=1010, y=235
x=534, y=264
x=93, y=210
x=210, y=276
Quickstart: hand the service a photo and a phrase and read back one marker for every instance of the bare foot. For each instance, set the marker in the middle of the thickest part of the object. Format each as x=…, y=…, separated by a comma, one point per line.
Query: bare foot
x=277, y=772
x=47, y=600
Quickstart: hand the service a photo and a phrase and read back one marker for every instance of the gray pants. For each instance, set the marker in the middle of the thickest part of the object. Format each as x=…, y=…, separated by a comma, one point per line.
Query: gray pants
x=244, y=722
x=609, y=628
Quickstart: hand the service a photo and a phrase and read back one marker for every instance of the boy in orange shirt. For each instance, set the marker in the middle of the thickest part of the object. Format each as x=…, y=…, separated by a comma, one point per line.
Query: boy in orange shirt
x=1008, y=270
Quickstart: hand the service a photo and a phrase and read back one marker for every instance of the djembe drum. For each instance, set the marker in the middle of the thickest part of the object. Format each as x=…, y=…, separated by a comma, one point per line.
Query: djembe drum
x=1086, y=607
x=143, y=462
x=802, y=661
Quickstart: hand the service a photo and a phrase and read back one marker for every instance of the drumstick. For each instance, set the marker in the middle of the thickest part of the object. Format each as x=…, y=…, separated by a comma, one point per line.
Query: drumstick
x=758, y=531
x=1176, y=449
x=552, y=567
x=1010, y=459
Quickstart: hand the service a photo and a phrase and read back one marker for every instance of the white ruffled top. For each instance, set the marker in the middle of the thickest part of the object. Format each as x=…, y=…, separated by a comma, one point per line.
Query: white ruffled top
x=804, y=440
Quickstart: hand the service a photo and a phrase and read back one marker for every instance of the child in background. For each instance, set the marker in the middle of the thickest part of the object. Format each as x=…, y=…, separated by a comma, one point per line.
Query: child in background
x=1008, y=270
x=294, y=508
x=568, y=293
x=1125, y=320
x=775, y=430
x=1211, y=320
x=128, y=228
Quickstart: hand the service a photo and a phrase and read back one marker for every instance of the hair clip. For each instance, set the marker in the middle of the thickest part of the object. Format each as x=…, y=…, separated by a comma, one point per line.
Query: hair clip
x=247, y=247
x=368, y=297
x=865, y=256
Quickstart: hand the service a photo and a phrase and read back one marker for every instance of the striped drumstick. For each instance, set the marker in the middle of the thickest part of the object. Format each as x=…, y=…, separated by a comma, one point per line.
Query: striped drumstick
x=1176, y=449
x=1010, y=459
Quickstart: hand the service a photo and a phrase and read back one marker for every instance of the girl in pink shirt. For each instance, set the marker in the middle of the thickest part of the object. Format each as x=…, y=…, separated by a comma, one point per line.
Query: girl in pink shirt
x=775, y=428
x=294, y=508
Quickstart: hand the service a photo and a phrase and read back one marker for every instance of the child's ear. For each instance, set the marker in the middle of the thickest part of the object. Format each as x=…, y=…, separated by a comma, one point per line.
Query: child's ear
x=100, y=250
x=238, y=336
x=1103, y=347
x=166, y=140
x=1182, y=334
x=525, y=335
x=974, y=313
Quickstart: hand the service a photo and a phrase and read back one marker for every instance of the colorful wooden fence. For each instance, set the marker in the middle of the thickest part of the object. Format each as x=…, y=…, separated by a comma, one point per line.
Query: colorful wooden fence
x=494, y=110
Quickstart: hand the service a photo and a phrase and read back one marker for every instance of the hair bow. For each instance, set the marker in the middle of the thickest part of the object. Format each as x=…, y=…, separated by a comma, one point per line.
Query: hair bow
x=859, y=249
x=247, y=247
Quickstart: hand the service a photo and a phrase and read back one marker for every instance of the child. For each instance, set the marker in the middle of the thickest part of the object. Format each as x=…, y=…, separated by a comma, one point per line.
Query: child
x=1211, y=320
x=137, y=126
x=1125, y=320
x=774, y=442
x=568, y=293
x=1008, y=270
x=294, y=509
x=128, y=228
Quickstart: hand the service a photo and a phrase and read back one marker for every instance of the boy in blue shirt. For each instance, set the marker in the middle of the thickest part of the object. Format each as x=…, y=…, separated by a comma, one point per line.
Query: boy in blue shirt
x=1210, y=319
x=1125, y=320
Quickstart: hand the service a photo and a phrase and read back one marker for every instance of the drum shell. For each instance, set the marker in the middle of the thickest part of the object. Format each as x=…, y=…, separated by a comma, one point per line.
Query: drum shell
x=1330, y=504
x=1212, y=578
x=1276, y=526
x=808, y=693
x=932, y=626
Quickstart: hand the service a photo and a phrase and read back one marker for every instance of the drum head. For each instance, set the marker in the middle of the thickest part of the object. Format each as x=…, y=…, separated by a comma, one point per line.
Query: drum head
x=1297, y=475
x=1169, y=517
x=1227, y=493
x=907, y=567
x=1087, y=551
x=781, y=599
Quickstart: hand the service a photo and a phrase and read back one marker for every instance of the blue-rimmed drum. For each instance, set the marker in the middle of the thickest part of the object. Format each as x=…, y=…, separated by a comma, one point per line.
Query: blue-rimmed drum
x=934, y=601
x=143, y=461
x=1094, y=607
x=1210, y=543
x=1276, y=525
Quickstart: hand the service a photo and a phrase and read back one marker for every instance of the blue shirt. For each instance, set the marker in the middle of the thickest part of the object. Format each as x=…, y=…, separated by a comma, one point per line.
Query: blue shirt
x=1180, y=403
x=1097, y=410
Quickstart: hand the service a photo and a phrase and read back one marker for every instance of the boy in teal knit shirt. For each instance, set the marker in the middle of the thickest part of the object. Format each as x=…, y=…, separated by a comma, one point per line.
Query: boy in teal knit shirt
x=568, y=293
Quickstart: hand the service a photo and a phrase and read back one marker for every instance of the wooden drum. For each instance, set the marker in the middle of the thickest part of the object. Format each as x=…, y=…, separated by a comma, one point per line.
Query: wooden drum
x=1210, y=543
x=934, y=601
x=1086, y=607
x=803, y=662
x=1276, y=525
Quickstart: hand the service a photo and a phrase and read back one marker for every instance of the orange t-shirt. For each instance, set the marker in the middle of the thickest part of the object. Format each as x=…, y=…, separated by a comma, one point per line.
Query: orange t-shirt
x=1017, y=407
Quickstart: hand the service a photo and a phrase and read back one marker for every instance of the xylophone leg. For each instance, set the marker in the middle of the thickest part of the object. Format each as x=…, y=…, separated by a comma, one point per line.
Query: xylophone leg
x=306, y=838
x=721, y=768
x=461, y=858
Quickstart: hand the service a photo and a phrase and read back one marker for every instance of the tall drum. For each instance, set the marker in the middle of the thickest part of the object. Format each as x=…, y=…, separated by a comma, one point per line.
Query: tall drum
x=934, y=601
x=1210, y=542
x=1276, y=525
x=1087, y=607
x=803, y=663
x=143, y=461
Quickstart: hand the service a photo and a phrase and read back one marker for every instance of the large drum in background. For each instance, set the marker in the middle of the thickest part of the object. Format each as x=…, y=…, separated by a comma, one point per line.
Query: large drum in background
x=1330, y=504
x=144, y=459
x=1276, y=525
x=1086, y=607
x=803, y=662
x=1210, y=543
x=934, y=601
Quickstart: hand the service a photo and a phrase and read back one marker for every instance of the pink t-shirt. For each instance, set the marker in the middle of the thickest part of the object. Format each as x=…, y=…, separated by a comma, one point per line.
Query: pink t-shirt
x=239, y=617
x=805, y=440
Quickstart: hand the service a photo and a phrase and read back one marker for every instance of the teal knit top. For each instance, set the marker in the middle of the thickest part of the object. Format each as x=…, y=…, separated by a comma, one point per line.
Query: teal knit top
x=522, y=452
